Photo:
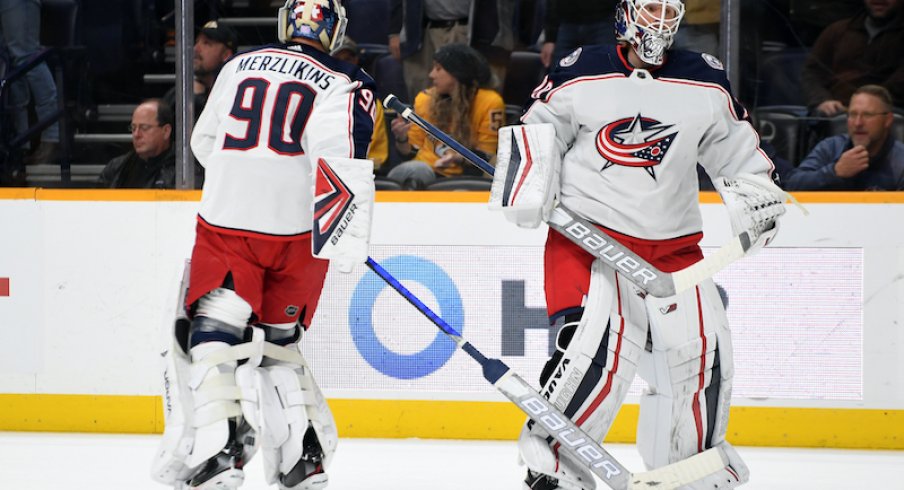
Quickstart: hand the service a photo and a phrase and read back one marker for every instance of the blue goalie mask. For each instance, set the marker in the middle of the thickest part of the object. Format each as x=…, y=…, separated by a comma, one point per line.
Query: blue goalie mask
x=322, y=21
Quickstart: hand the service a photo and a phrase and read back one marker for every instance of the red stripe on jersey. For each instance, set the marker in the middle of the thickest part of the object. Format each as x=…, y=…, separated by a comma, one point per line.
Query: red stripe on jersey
x=530, y=163
x=4, y=286
x=252, y=234
x=573, y=82
x=698, y=417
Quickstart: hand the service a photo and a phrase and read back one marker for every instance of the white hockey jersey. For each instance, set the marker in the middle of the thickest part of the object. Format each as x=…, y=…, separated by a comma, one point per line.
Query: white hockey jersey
x=631, y=139
x=271, y=112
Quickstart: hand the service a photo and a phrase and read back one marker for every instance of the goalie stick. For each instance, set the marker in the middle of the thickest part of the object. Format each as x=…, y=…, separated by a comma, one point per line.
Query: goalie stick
x=596, y=242
x=571, y=438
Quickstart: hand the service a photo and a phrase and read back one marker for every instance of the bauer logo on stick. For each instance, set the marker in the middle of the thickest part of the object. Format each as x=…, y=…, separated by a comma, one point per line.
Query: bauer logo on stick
x=333, y=200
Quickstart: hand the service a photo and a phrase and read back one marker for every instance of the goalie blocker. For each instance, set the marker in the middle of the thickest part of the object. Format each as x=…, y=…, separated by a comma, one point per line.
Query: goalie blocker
x=343, y=210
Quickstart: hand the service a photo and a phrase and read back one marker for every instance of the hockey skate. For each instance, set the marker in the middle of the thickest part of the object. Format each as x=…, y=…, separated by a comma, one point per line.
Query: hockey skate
x=224, y=471
x=308, y=473
x=541, y=481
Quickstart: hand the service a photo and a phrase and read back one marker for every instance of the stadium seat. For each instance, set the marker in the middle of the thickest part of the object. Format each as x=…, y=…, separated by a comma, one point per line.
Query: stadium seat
x=384, y=184
x=780, y=75
x=781, y=126
x=461, y=184
x=524, y=73
x=387, y=72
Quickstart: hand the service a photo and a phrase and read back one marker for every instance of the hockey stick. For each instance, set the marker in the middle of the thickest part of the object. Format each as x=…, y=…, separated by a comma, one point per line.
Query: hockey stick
x=598, y=243
x=571, y=438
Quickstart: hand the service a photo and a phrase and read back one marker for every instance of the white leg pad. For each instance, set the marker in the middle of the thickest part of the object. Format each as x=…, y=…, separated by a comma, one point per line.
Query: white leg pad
x=538, y=456
x=292, y=402
x=685, y=408
x=596, y=369
x=733, y=475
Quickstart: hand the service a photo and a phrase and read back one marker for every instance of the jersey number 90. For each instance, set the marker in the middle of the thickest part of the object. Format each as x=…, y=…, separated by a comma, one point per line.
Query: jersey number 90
x=291, y=108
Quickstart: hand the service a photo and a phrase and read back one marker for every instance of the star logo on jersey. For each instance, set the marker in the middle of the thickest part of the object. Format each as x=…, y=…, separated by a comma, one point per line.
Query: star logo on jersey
x=635, y=142
x=332, y=199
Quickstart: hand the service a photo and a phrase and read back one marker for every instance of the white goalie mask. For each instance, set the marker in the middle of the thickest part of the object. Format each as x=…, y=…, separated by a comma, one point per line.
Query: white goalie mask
x=322, y=21
x=649, y=26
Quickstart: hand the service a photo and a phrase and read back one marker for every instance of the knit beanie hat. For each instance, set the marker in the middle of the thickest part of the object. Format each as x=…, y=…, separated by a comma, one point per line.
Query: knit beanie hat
x=464, y=63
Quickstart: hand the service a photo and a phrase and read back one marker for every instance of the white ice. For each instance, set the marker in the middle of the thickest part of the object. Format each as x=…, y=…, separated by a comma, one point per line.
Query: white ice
x=38, y=461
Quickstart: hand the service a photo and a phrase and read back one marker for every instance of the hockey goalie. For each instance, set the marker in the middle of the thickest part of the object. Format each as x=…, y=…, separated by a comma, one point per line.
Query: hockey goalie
x=288, y=192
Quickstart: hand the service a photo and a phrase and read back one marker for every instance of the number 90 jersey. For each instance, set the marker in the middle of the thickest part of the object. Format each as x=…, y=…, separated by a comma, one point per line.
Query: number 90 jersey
x=271, y=114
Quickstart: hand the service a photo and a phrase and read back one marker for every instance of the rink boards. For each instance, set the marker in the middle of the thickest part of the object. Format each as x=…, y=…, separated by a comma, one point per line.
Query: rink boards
x=87, y=286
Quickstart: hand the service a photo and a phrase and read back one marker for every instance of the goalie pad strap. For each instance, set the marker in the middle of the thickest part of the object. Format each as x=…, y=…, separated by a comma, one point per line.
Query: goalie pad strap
x=204, y=416
x=301, y=398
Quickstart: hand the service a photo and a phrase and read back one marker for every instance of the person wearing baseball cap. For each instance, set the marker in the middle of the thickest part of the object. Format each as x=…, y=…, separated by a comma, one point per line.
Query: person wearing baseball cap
x=459, y=104
x=214, y=44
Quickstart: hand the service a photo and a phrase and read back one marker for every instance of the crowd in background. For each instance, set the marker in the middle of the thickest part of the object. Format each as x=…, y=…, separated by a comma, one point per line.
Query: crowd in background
x=823, y=81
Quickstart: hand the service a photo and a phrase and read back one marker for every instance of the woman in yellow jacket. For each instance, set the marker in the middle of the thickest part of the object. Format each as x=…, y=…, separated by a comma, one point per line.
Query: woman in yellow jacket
x=456, y=104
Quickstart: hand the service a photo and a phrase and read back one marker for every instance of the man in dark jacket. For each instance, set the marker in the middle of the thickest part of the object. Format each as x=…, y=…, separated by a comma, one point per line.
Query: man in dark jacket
x=867, y=158
x=866, y=49
x=151, y=164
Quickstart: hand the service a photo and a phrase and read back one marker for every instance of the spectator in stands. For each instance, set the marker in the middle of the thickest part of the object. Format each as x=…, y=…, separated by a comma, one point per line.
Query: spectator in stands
x=457, y=105
x=700, y=27
x=379, y=144
x=418, y=28
x=151, y=164
x=865, y=49
x=867, y=158
x=20, y=31
x=570, y=24
x=214, y=44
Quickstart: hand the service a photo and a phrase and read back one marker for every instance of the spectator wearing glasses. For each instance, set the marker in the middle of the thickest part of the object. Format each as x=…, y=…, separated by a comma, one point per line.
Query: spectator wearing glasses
x=867, y=158
x=151, y=163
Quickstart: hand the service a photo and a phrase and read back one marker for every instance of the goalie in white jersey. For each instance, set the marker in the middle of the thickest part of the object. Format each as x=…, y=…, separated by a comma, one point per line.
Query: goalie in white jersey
x=283, y=139
x=630, y=124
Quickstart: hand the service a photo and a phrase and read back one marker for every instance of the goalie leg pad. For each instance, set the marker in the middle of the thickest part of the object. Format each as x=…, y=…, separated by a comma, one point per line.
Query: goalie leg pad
x=204, y=439
x=689, y=373
x=591, y=379
x=300, y=440
x=343, y=209
x=527, y=174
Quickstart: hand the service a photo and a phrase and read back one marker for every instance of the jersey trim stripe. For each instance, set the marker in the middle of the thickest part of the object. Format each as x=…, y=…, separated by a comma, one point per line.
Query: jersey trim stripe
x=252, y=234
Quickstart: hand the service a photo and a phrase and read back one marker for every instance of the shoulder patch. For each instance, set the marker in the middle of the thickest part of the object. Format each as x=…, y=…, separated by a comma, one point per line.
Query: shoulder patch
x=571, y=58
x=712, y=61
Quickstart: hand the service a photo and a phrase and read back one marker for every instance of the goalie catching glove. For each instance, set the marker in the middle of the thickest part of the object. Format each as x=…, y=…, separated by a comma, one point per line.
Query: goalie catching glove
x=527, y=174
x=343, y=208
x=754, y=205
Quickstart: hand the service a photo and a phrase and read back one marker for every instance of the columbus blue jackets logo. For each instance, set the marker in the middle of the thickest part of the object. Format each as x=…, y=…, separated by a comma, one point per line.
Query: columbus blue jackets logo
x=332, y=199
x=636, y=141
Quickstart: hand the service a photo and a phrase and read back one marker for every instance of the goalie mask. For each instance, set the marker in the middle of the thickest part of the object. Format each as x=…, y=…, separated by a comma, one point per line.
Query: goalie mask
x=322, y=21
x=649, y=26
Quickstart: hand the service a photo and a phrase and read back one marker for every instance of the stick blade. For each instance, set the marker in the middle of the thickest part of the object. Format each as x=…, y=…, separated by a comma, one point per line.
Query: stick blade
x=681, y=473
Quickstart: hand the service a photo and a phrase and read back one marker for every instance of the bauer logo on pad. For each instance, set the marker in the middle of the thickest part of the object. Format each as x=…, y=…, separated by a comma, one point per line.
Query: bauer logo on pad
x=332, y=200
